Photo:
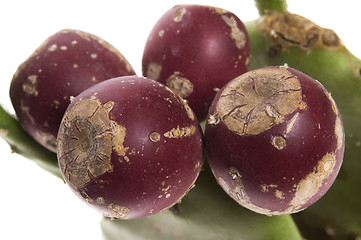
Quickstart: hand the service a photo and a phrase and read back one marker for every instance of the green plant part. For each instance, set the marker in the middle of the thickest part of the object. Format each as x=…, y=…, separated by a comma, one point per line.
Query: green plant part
x=265, y=6
x=205, y=213
x=23, y=144
x=280, y=37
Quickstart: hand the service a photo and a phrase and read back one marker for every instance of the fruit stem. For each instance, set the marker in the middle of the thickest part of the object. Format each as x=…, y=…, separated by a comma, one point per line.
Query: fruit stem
x=266, y=6
x=23, y=144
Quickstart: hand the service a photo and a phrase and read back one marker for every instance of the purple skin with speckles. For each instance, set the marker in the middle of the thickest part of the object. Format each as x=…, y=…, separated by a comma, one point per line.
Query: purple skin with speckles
x=130, y=147
x=195, y=50
x=289, y=162
x=67, y=63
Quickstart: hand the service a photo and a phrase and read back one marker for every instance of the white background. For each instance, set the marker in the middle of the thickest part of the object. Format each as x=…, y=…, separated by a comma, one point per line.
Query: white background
x=33, y=203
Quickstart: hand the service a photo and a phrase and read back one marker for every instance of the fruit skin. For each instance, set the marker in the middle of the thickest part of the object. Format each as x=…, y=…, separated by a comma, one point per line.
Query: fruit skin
x=130, y=147
x=65, y=64
x=274, y=150
x=195, y=49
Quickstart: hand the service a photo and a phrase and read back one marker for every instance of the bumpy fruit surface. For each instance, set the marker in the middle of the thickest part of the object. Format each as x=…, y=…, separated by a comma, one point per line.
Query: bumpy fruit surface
x=275, y=140
x=195, y=49
x=67, y=63
x=130, y=147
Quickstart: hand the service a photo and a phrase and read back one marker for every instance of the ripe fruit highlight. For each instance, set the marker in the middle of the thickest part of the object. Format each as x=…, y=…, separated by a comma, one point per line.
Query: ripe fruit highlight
x=275, y=140
x=195, y=49
x=130, y=147
x=67, y=63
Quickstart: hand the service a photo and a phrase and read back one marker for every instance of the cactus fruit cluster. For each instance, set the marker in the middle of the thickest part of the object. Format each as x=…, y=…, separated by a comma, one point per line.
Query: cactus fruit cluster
x=232, y=127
